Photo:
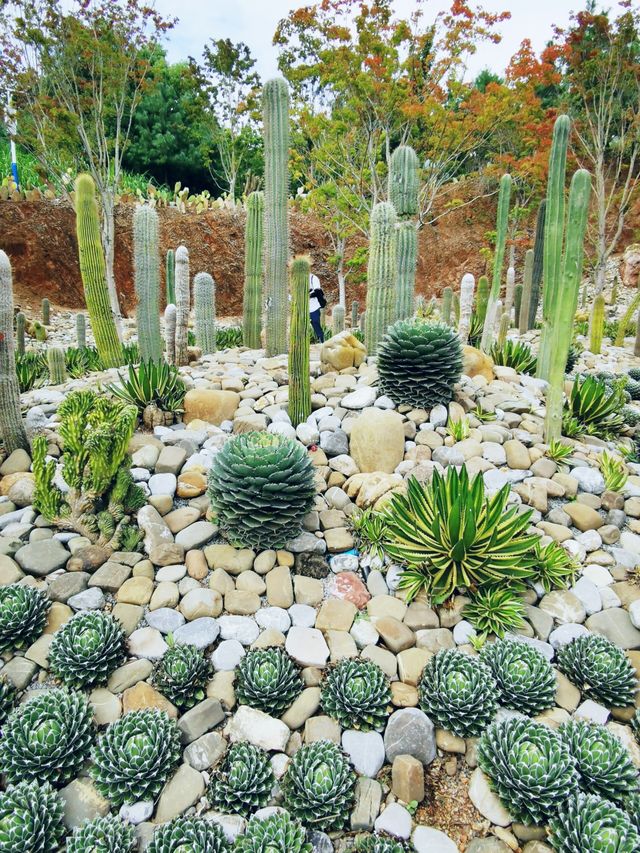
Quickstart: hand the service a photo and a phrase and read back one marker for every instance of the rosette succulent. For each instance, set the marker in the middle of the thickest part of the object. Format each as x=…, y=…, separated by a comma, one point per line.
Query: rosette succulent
x=31, y=819
x=357, y=694
x=23, y=615
x=590, y=824
x=524, y=677
x=8, y=694
x=419, y=363
x=277, y=833
x=318, y=786
x=86, y=649
x=186, y=834
x=600, y=669
x=604, y=764
x=135, y=756
x=635, y=724
x=182, y=675
x=261, y=486
x=529, y=767
x=458, y=693
x=632, y=807
x=47, y=739
x=244, y=781
x=102, y=835
x=377, y=844
x=269, y=680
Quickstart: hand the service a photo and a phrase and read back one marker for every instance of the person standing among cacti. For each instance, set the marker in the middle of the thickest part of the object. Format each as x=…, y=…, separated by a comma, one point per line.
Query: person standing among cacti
x=317, y=302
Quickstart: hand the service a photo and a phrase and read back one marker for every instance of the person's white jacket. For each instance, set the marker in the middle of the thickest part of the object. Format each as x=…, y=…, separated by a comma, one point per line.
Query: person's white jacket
x=314, y=284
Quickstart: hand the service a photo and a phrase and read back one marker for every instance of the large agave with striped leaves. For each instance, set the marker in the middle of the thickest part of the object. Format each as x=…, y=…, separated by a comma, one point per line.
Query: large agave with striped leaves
x=525, y=679
x=23, y=615
x=600, y=669
x=135, y=756
x=604, y=764
x=31, y=819
x=182, y=675
x=590, y=824
x=357, y=694
x=186, y=834
x=47, y=739
x=244, y=782
x=277, y=833
x=318, y=786
x=102, y=835
x=269, y=680
x=458, y=693
x=529, y=767
x=86, y=649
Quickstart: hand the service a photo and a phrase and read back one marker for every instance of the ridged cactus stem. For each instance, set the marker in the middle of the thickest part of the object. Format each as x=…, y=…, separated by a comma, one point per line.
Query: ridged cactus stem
x=363, y=321
x=299, y=377
x=509, y=293
x=498, y=258
x=275, y=101
x=482, y=300
x=467, y=287
x=445, y=310
x=170, y=333
x=46, y=311
x=503, y=328
x=538, y=264
x=170, y=277
x=626, y=319
x=337, y=319
x=20, y=324
x=81, y=330
x=355, y=312
x=11, y=425
x=93, y=272
x=253, y=250
x=204, y=306
x=146, y=270
x=525, y=303
x=596, y=325
x=517, y=300
x=56, y=365
x=404, y=185
x=407, y=260
x=182, y=306
x=455, y=309
x=381, y=274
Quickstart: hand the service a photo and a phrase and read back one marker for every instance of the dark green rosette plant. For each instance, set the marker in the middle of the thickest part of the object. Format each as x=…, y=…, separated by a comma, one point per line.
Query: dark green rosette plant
x=357, y=694
x=525, y=679
x=600, y=669
x=589, y=824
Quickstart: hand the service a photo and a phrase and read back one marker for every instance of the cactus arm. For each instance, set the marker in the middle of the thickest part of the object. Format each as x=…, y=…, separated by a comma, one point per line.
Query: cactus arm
x=404, y=186
x=146, y=269
x=204, y=301
x=299, y=378
x=253, y=251
x=11, y=425
x=56, y=365
x=445, y=310
x=182, y=306
x=355, y=311
x=501, y=238
x=20, y=326
x=510, y=291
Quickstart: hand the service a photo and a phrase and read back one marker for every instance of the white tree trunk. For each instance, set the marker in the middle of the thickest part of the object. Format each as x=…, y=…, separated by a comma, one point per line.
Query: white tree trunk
x=108, y=246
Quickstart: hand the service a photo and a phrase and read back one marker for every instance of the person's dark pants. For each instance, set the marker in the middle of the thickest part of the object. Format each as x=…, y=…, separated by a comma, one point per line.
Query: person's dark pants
x=316, y=325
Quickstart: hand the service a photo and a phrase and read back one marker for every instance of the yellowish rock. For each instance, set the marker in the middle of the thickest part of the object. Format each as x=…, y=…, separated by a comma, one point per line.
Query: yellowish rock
x=143, y=695
x=210, y=406
x=377, y=440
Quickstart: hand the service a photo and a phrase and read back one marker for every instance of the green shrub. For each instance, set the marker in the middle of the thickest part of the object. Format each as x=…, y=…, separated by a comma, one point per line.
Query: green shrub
x=525, y=679
x=594, y=408
x=450, y=536
x=495, y=610
x=261, y=486
x=600, y=669
x=102, y=835
x=135, y=756
x=604, y=764
x=151, y=383
x=357, y=694
x=515, y=354
x=189, y=835
x=419, y=363
x=31, y=819
x=23, y=615
x=86, y=649
x=590, y=824
x=269, y=680
x=182, y=675
x=277, y=833
x=318, y=786
x=529, y=767
x=244, y=782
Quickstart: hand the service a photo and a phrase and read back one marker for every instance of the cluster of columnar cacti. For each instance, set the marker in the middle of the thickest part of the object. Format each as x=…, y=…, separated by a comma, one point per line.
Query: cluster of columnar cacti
x=381, y=274
x=355, y=311
x=182, y=306
x=93, y=272
x=146, y=269
x=56, y=365
x=253, y=244
x=337, y=319
x=81, y=331
x=46, y=311
x=522, y=316
x=404, y=184
x=501, y=239
x=563, y=257
x=596, y=325
x=275, y=101
x=299, y=380
x=467, y=287
x=170, y=277
x=170, y=333
x=204, y=303
x=445, y=309
x=20, y=324
x=11, y=426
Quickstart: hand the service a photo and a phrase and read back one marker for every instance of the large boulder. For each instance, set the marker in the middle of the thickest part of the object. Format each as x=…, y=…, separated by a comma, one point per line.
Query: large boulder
x=342, y=351
x=377, y=441
x=476, y=363
x=210, y=406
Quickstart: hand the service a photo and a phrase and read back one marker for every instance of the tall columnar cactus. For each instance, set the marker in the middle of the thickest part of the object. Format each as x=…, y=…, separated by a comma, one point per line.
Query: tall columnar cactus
x=182, y=306
x=204, y=305
x=501, y=239
x=503, y=328
x=170, y=333
x=81, y=330
x=525, y=303
x=46, y=311
x=381, y=274
x=467, y=287
x=170, y=277
x=455, y=309
x=445, y=310
x=11, y=426
x=299, y=377
x=146, y=269
x=355, y=312
x=337, y=319
x=538, y=263
x=93, y=272
x=517, y=301
x=253, y=246
x=404, y=184
x=482, y=299
x=56, y=365
x=20, y=324
x=510, y=291
x=596, y=326
x=275, y=102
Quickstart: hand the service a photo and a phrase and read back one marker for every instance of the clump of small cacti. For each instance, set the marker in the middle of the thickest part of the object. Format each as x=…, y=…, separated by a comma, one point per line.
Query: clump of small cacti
x=81, y=331
x=11, y=425
x=299, y=378
x=204, y=304
x=146, y=269
x=56, y=365
x=381, y=275
x=46, y=311
x=253, y=249
x=182, y=306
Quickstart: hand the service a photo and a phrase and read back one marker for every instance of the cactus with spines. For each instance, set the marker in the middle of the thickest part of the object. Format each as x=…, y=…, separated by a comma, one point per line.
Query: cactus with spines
x=467, y=287
x=517, y=300
x=182, y=306
x=404, y=184
x=204, y=304
x=253, y=246
x=584, y=297
x=510, y=291
x=445, y=310
x=498, y=258
x=93, y=273
x=522, y=316
x=20, y=324
x=363, y=321
x=170, y=277
x=538, y=264
x=170, y=333
x=503, y=328
x=11, y=425
x=381, y=274
x=275, y=102
x=355, y=312
x=455, y=309
x=299, y=377
x=596, y=325
x=81, y=331
x=146, y=274
x=337, y=319
x=46, y=311
x=482, y=299
x=56, y=365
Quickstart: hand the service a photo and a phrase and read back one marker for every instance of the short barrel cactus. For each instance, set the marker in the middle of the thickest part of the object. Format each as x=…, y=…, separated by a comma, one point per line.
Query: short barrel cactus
x=590, y=824
x=269, y=680
x=277, y=833
x=31, y=819
x=189, y=834
x=102, y=835
x=182, y=675
x=525, y=679
x=23, y=615
x=357, y=694
x=244, y=782
x=600, y=669
x=86, y=649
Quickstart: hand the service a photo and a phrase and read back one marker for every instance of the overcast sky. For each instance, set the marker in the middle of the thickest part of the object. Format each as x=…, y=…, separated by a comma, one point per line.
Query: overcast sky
x=254, y=22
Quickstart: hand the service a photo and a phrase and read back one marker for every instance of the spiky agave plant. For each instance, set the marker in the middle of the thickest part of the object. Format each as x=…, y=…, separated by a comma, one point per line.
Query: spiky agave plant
x=182, y=675
x=614, y=472
x=591, y=824
x=599, y=669
x=151, y=383
x=189, y=834
x=244, y=781
x=357, y=694
x=525, y=679
x=86, y=649
x=31, y=819
x=595, y=407
x=23, y=615
x=495, y=610
x=515, y=354
x=268, y=679
x=102, y=835
x=554, y=566
x=450, y=536
x=369, y=529
x=276, y=833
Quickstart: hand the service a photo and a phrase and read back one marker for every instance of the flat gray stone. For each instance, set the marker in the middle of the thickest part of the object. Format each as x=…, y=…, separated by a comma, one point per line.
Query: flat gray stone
x=42, y=558
x=196, y=535
x=410, y=732
x=200, y=719
x=616, y=625
x=200, y=633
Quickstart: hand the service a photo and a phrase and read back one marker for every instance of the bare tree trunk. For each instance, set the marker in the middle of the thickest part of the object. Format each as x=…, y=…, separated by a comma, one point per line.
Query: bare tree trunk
x=108, y=245
x=342, y=284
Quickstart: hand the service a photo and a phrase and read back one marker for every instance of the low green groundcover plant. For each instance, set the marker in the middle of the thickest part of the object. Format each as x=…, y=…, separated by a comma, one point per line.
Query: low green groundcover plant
x=594, y=408
x=495, y=610
x=151, y=383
